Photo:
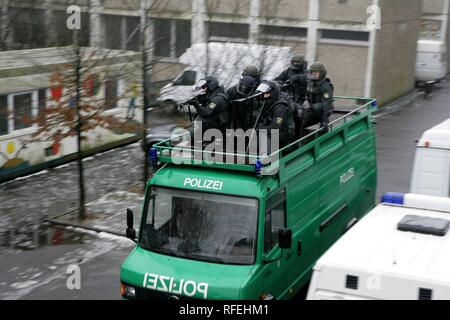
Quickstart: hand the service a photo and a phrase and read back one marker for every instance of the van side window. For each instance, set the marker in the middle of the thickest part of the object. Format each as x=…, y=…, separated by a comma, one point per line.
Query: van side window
x=275, y=219
x=186, y=79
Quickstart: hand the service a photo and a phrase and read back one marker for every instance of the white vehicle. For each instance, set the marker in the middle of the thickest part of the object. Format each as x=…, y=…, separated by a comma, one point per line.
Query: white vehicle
x=431, y=171
x=431, y=63
x=398, y=251
x=226, y=62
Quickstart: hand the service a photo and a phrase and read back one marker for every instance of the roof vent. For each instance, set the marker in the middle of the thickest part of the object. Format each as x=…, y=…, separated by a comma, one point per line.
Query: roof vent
x=351, y=282
x=425, y=294
x=425, y=225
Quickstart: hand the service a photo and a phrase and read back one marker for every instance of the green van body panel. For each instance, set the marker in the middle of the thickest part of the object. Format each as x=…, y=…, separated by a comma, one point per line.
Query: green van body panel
x=328, y=183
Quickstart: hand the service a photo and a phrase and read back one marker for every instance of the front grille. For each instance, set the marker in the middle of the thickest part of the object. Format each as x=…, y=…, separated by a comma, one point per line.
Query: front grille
x=351, y=282
x=147, y=294
x=425, y=294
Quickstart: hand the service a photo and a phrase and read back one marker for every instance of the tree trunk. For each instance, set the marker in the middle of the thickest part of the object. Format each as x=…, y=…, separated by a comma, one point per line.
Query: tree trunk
x=81, y=210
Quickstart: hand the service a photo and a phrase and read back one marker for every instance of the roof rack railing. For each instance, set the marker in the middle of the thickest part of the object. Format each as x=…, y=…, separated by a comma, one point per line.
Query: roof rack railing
x=169, y=153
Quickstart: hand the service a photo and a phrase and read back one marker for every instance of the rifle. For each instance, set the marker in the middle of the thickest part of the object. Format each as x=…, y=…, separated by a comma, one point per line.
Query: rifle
x=188, y=103
x=253, y=96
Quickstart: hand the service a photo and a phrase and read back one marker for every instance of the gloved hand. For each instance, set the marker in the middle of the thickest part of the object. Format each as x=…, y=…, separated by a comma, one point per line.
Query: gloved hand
x=194, y=103
x=298, y=78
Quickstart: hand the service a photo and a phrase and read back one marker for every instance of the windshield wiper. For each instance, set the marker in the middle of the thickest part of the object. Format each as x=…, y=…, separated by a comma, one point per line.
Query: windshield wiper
x=206, y=258
x=164, y=251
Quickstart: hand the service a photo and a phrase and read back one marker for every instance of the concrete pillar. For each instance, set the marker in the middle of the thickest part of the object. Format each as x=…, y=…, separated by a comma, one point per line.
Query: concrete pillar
x=198, y=27
x=371, y=58
x=5, y=27
x=254, y=21
x=95, y=23
x=51, y=39
x=313, y=31
x=123, y=33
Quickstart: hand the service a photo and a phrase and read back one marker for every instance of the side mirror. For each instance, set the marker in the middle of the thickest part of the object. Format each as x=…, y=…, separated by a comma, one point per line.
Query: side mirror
x=285, y=238
x=130, y=232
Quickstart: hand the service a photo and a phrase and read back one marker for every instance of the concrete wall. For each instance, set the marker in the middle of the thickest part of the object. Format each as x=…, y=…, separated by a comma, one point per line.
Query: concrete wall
x=285, y=9
x=432, y=6
x=349, y=10
x=229, y=8
x=396, y=45
x=346, y=66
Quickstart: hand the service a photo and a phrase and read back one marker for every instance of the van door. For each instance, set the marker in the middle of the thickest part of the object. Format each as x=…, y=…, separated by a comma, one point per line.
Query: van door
x=431, y=172
x=275, y=276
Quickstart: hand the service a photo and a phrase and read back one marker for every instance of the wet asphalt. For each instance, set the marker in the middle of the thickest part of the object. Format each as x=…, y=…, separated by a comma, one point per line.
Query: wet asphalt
x=41, y=273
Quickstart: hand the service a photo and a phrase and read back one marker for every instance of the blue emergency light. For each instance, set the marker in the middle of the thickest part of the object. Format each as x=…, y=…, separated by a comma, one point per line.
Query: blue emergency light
x=153, y=156
x=374, y=104
x=258, y=167
x=393, y=198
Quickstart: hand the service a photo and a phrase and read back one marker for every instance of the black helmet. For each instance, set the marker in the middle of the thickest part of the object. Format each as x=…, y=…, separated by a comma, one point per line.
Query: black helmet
x=206, y=85
x=318, y=67
x=298, y=61
x=251, y=71
x=269, y=87
x=246, y=85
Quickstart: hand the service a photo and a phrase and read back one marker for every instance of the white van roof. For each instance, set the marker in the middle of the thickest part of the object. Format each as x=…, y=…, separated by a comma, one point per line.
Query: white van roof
x=227, y=60
x=437, y=137
x=401, y=262
x=431, y=46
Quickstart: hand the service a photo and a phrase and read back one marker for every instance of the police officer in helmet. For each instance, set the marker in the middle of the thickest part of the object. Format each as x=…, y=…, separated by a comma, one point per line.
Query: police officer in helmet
x=254, y=72
x=211, y=104
x=294, y=79
x=320, y=101
x=241, y=109
x=274, y=112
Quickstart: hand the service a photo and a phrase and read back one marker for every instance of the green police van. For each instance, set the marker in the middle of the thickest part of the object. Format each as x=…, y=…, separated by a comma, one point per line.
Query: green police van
x=236, y=231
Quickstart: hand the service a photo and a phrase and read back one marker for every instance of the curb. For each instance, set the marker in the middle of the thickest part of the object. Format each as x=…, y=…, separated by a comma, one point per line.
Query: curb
x=399, y=103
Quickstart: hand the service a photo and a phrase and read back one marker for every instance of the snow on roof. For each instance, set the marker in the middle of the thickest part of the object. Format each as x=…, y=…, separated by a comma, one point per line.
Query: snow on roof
x=375, y=244
x=56, y=55
x=227, y=60
x=437, y=137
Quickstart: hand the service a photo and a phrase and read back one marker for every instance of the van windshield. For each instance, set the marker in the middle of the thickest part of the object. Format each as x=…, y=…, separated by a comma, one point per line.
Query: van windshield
x=200, y=226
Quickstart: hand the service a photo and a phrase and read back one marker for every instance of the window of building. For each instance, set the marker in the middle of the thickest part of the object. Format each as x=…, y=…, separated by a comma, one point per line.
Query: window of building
x=3, y=115
x=63, y=36
x=113, y=31
x=282, y=32
x=275, y=219
x=111, y=93
x=133, y=33
x=22, y=106
x=163, y=37
x=172, y=37
x=345, y=35
x=232, y=32
x=183, y=36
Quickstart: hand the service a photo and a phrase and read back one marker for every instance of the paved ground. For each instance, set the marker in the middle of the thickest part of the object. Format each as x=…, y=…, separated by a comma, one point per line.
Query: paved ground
x=41, y=273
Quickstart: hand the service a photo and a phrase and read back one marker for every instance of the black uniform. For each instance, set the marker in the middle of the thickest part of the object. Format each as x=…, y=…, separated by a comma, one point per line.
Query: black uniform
x=294, y=82
x=275, y=113
x=213, y=110
x=320, y=97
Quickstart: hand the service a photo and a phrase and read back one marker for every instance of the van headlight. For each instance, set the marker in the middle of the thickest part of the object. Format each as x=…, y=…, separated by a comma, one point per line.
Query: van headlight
x=127, y=291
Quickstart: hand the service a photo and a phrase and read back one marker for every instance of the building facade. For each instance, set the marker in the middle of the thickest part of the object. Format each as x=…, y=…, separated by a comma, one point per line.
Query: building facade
x=362, y=61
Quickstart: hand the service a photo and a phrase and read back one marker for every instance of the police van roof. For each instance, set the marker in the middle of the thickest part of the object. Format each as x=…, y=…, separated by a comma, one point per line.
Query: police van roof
x=376, y=247
x=437, y=137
